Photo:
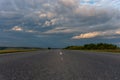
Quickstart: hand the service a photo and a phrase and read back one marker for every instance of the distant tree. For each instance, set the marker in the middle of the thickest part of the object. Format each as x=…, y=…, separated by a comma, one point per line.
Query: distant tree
x=98, y=46
x=49, y=48
x=2, y=48
x=90, y=46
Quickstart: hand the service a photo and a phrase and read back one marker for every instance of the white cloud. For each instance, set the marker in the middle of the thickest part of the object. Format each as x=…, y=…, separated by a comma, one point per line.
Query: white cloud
x=43, y=15
x=69, y=2
x=17, y=28
x=48, y=15
x=106, y=34
x=46, y=5
x=118, y=32
x=47, y=24
x=87, y=35
x=54, y=21
x=31, y=31
x=87, y=10
x=59, y=30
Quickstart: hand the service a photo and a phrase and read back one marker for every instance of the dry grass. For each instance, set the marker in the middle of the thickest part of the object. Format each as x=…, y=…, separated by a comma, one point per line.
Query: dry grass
x=112, y=51
x=16, y=50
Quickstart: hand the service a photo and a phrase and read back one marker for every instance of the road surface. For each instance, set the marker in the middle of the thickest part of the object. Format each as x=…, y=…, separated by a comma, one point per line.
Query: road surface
x=60, y=65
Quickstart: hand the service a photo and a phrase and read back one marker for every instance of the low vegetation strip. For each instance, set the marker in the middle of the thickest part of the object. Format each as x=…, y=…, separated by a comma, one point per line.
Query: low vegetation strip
x=99, y=47
x=112, y=51
x=16, y=50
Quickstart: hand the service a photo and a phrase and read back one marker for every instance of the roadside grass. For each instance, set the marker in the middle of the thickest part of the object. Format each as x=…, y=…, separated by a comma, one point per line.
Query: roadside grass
x=16, y=50
x=112, y=51
x=95, y=50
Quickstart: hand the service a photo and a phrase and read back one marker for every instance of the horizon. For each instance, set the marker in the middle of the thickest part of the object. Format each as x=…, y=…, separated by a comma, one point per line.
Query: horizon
x=59, y=23
x=51, y=47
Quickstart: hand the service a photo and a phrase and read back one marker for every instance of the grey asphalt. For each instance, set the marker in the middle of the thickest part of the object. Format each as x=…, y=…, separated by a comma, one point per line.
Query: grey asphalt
x=60, y=65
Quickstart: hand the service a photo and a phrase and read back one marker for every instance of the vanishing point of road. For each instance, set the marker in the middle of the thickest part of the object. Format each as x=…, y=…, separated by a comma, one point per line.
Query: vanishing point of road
x=60, y=65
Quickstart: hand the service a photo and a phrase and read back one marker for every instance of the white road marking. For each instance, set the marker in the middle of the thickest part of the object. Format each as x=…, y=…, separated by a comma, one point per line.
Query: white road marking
x=61, y=58
x=61, y=53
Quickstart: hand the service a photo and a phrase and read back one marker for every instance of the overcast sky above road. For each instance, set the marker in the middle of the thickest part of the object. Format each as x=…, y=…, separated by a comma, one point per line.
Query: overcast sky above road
x=59, y=23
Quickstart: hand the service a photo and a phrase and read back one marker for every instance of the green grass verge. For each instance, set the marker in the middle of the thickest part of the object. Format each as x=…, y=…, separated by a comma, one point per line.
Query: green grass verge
x=16, y=50
x=111, y=51
x=106, y=50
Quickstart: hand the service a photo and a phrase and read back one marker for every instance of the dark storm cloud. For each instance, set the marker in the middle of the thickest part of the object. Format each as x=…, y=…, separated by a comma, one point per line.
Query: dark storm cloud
x=47, y=20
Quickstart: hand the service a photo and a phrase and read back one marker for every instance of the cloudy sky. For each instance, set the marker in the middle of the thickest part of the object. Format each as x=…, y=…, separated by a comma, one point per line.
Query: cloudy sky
x=59, y=23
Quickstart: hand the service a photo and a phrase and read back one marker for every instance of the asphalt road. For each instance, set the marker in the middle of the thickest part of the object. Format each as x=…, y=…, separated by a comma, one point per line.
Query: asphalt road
x=59, y=65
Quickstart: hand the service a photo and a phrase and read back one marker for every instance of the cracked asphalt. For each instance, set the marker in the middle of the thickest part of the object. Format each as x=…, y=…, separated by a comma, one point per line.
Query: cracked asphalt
x=60, y=65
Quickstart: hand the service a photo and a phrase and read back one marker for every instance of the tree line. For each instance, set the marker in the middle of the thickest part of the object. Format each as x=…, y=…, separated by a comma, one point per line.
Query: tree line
x=92, y=46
